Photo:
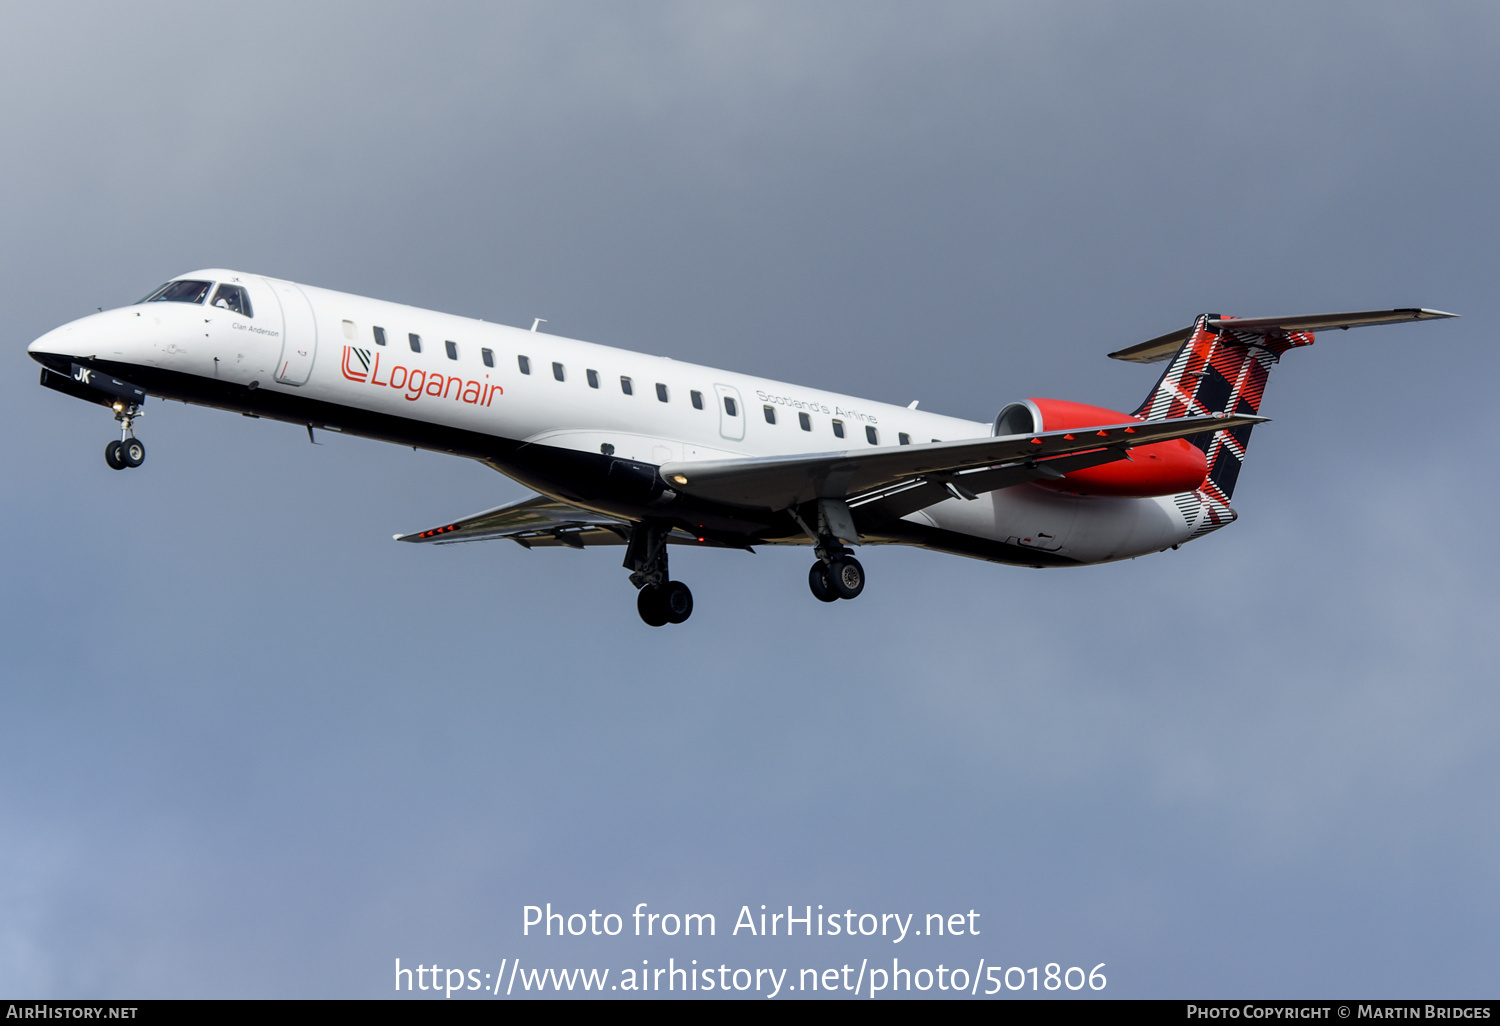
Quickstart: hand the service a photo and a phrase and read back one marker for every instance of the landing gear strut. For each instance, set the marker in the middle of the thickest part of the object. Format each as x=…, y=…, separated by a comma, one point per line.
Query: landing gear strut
x=129, y=451
x=660, y=601
x=837, y=574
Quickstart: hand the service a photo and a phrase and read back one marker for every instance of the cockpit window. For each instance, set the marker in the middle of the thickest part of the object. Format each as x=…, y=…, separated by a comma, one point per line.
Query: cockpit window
x=180, y=292
x=232, y=297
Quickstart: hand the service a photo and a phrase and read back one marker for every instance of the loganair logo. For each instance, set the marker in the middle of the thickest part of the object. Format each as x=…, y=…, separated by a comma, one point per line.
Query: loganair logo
x=363, y=366
x=362, y=357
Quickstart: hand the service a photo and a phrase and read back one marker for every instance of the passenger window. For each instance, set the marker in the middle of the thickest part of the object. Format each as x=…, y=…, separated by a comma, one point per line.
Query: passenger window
x=770, y=412
x=872, y=435
x=625, y=385
x=415, y=341
x=557, y=371
x=349, y=331
x=697, y=398
x=452, y=348
x=488, y=356
x=593, y=377
x=838, y=429
x=379, y=336
x=805, y=421
x=661, y=391
x=904, y=438
x=232, y=297
x=730, y=407
x=180, y=292
x=524, y=362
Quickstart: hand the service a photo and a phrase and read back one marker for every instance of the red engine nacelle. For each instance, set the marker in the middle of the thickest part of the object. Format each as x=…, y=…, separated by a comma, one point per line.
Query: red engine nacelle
x=1161, y=468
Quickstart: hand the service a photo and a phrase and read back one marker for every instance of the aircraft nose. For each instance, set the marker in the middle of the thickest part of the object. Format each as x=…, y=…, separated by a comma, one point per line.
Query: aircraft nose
x=57, y=345
x=82, y=338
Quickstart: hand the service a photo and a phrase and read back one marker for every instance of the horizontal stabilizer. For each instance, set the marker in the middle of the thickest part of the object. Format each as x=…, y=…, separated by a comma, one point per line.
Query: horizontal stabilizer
x=1164, y=346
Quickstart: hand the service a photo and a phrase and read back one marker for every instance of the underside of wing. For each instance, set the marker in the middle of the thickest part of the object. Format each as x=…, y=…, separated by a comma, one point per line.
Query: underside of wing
x=540, y=522
x=941, y=469
x=534, y=522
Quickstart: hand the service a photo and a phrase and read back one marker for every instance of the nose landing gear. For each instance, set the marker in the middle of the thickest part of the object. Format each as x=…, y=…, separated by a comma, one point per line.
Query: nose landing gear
x=129, y=451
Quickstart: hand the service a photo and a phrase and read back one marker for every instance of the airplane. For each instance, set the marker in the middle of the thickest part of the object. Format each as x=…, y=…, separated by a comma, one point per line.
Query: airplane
x=644, y=452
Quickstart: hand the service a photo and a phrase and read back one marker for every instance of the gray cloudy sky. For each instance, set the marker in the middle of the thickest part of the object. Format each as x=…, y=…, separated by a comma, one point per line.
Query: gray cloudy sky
x=254, y=748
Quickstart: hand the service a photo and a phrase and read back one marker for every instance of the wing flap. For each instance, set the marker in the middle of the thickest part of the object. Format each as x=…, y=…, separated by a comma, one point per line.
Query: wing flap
x=779, y=482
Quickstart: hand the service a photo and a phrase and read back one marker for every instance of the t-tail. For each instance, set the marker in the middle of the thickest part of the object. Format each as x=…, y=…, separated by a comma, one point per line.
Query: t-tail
x=1220, y=366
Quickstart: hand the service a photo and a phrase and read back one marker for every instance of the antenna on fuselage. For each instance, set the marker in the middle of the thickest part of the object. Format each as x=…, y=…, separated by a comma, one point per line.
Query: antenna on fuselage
x=539, y=320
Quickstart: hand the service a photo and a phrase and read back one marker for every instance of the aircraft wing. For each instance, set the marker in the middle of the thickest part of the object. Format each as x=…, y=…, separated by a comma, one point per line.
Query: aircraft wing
x=971, y=466
x=537, y=521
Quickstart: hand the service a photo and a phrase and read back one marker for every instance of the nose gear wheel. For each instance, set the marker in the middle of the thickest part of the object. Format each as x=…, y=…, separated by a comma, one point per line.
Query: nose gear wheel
x=132, y=452
x=129, y=451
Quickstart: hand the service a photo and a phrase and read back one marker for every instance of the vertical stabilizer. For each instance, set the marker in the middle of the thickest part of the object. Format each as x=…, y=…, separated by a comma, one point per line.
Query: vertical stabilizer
x=1221, y=365
x=1220, y=370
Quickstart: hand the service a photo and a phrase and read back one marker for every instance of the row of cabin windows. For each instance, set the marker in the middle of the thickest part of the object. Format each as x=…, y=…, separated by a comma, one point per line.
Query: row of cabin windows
x=415, y=342
x=804, y=421
x=627, y=386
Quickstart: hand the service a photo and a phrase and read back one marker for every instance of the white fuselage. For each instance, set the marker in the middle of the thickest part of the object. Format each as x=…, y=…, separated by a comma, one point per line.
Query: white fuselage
x=472, y=376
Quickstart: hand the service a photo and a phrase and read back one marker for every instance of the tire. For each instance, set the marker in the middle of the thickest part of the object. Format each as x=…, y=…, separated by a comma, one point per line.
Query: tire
x=112, y=456
x=648, y=603
x=132, y=452
x=846, y=577
x=817, y=580
x=676, y=601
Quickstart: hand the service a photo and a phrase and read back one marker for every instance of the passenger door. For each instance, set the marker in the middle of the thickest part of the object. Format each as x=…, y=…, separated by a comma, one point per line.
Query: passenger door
x=731, y=413
x=299, y=338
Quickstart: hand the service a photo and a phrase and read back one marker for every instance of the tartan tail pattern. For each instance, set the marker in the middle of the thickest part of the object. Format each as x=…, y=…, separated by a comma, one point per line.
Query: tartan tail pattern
x=1217, y=372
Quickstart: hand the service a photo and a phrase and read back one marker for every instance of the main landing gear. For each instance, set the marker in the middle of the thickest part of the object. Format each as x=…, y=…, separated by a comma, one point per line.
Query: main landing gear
x=837, y=574
x=841, y=577
x=661, y=604
x=660, y=601
x=129, y=451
